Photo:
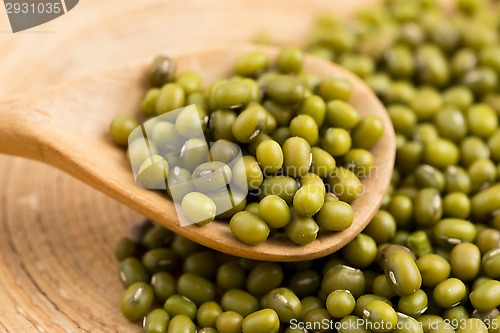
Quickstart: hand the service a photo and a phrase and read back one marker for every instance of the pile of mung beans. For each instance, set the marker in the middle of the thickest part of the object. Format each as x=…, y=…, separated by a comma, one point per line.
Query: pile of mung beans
x=271, y=149
x=429, y=261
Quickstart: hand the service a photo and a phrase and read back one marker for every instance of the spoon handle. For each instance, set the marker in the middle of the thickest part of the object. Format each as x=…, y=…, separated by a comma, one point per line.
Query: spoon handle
x=21, y=129
x=65, y=125
x=43, y=127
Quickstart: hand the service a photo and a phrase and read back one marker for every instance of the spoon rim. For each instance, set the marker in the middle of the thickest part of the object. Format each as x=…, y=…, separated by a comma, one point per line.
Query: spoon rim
x=323, y=244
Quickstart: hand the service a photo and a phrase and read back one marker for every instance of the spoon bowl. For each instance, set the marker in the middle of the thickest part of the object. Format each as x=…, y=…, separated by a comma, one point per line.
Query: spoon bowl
x=68, y=128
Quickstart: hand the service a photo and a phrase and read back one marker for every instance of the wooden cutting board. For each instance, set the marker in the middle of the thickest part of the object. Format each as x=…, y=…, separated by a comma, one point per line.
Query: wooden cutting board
x=57, y=270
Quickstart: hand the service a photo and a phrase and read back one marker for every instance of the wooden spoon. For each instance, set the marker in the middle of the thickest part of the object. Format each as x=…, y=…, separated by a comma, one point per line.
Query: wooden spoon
x=67, y=127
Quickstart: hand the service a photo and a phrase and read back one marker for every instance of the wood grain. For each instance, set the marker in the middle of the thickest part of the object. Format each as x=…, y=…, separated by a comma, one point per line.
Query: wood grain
x=57, y=272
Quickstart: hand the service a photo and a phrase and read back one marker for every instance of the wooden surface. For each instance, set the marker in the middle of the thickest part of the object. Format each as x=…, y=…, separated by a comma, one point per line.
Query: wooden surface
x=57, y=272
